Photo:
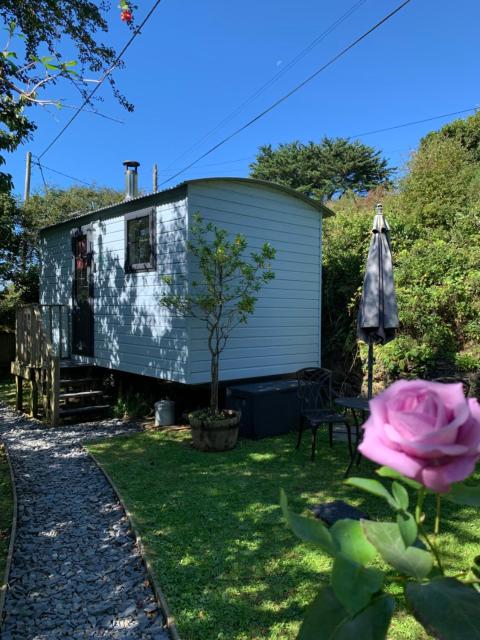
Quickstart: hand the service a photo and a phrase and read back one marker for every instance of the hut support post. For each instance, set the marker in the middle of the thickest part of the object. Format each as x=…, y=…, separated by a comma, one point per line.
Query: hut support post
x=19, y=393
x=54, y=384
x=34, y=396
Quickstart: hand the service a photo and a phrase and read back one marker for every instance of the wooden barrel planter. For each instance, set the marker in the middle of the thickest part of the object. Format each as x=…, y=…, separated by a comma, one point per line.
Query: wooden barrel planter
x=218, y=434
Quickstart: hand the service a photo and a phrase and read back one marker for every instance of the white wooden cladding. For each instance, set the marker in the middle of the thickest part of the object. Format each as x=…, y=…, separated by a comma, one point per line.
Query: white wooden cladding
x=134, y=333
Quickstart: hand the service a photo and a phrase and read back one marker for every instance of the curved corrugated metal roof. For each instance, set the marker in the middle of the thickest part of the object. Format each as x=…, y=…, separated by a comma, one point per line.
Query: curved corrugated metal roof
x=146, y=198
x=316, y=204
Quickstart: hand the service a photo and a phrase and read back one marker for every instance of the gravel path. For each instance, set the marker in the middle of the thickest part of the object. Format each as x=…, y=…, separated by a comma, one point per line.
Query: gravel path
x=76, y=571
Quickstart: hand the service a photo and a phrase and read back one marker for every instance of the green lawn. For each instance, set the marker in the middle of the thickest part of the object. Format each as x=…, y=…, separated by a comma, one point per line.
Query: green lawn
x=7, y=391
x=213, y=529
x=7, y=395
x=6, y=510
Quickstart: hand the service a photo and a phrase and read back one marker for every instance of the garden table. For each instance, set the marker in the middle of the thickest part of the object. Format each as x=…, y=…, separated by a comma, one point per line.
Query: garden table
x=356, y=406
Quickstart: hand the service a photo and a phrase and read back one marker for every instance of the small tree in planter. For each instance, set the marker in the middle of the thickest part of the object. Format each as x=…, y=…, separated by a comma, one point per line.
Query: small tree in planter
x=223, y=298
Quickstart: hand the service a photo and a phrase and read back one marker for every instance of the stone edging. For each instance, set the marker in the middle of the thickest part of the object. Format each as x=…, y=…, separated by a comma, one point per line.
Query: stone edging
x=13, y=534
x=157, y=590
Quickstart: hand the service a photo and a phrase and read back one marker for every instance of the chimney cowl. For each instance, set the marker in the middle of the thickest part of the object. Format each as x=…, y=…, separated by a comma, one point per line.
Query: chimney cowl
x=131, y=179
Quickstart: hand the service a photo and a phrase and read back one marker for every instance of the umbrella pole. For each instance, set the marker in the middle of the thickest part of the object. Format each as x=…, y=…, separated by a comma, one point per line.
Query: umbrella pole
x=370, y=370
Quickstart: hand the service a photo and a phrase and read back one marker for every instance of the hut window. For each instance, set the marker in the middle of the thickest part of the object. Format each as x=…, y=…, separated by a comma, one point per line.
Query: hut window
x=140, y=240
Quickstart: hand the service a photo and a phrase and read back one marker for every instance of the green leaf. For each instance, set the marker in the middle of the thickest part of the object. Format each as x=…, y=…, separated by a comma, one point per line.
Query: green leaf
x=447, y=608
x=351, y=541
x=387, y=539
x=307, y=529
x=353, y=584
x=400, y=494
x=327, y=619
x=463, y=494
x=408, y=528
x=375, y=487
x=387, y=472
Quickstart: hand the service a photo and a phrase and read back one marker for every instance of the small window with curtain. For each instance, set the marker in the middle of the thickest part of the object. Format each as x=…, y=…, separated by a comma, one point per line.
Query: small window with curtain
x=140, y=240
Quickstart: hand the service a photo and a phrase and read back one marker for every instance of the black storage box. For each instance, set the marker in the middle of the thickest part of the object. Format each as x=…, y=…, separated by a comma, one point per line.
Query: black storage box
x=268, y=408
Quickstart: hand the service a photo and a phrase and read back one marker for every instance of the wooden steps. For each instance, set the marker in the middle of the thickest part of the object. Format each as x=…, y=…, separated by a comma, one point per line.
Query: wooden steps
x=81, y=395
x=80, y=411
x=72, y=364
x=77, y=381
x=81, y=392
x=60, y=387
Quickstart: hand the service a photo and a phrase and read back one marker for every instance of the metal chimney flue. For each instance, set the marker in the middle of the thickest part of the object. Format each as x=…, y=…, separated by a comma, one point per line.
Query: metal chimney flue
x=131, y=179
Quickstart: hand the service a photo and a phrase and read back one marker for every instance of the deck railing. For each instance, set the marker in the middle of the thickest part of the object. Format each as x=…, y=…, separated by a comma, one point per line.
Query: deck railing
x=43, y=332
x=42, y=340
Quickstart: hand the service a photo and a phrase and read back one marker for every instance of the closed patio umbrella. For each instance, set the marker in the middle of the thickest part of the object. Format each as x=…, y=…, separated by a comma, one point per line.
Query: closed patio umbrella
x=378, y=315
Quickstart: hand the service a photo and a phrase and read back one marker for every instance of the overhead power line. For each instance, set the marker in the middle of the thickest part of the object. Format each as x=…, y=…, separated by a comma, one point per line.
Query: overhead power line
x=363, y=134
x=43, y=177
x=292, y=91
x=409, y=124
x=102, y=79
x=95, y=112
x=60, y=173
x=250, y=158
x=272, y=80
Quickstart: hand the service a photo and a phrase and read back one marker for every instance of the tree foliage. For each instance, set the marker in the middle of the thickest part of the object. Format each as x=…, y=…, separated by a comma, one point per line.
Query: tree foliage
x=465, y=131
x=323, y=170
x=32, y=60
x=55, y=205
x=10, y=220
x=435, y=230
x=438, y=185
x=225, y=293
x=19, y=256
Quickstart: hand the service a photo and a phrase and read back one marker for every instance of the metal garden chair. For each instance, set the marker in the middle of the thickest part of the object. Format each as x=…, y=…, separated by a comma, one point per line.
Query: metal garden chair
x=316, y=406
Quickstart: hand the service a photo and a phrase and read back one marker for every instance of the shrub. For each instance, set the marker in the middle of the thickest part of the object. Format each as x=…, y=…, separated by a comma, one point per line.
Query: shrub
x=434, y=216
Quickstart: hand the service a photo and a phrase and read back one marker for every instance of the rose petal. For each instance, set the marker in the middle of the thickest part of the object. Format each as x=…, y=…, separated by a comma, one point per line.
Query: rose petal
x=425, y=430
x=375, y=449
x=412, y=428
x=440, y=478
x=429, y=446
x=416, y=426
x=470, y=431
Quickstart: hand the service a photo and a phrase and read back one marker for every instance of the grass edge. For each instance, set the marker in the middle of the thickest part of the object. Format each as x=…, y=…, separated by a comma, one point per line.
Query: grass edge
x=13, y=534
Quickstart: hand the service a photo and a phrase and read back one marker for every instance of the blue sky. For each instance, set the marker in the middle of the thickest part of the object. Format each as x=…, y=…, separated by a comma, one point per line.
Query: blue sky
x=195, y=62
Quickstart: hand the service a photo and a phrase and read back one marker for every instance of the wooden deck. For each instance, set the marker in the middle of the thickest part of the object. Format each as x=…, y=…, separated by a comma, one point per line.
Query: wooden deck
x=42, y=348
x=60, y=388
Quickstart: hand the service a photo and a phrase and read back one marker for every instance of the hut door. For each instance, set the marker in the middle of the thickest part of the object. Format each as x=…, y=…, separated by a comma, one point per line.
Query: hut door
x=82, y=294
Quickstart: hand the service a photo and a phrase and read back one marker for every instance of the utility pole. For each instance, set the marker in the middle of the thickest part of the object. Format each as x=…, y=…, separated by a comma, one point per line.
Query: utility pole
x=26, y=196
x=28, y=172
x=155, y=178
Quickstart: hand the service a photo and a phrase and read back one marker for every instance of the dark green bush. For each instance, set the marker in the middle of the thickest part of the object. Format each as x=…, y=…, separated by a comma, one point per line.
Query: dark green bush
x=434, y=215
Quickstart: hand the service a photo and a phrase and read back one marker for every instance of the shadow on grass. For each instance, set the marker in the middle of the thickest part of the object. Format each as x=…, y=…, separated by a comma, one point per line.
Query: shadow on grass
x=6, y=509
x=8, y=393
x=213, y=528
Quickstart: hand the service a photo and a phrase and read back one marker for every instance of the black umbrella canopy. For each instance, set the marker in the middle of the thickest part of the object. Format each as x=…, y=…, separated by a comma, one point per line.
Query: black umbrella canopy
x=378, y=314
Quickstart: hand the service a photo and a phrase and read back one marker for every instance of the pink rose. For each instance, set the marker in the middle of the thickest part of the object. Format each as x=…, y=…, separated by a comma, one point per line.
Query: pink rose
x=427, y=431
